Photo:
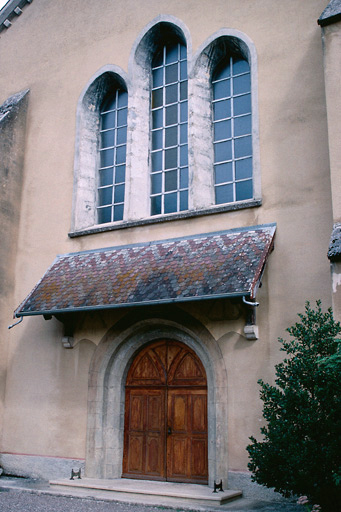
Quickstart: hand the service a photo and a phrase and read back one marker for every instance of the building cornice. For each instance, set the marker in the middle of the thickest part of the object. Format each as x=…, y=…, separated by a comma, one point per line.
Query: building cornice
x=11, y=11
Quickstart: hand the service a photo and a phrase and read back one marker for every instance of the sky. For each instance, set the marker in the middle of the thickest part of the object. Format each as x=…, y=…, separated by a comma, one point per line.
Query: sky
x=2, y=3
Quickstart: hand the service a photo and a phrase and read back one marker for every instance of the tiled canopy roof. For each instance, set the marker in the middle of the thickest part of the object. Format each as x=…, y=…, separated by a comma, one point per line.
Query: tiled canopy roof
x=214, y=265
x=331, y=14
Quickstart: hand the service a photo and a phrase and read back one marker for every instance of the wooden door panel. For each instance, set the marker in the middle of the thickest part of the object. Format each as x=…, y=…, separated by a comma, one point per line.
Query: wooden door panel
x=154, y=455
x=177, y=458
x=199, y=458
x=144, y=433
x=165, y=429
x=198, y=413
x=155, y=412
x=187, y=442
x=135, y=459
x=136, y=413
x=178, y=413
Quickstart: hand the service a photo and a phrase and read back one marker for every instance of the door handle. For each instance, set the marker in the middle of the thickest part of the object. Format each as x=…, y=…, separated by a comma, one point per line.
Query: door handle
x=169, y=431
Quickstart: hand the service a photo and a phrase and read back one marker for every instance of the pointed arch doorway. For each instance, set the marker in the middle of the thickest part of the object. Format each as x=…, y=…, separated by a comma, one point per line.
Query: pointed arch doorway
x=165, y=426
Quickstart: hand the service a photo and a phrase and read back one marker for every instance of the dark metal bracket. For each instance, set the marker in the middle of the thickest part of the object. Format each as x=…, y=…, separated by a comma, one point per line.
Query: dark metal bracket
x=218, y=487
x=76, y=473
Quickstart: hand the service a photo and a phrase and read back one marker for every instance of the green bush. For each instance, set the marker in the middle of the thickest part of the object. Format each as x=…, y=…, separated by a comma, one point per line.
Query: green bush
x=301, y=447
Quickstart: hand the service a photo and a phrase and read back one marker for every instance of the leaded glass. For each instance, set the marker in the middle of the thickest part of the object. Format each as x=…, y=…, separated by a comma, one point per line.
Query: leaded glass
x=111, y=172
x=169, y=118
x=232, y=131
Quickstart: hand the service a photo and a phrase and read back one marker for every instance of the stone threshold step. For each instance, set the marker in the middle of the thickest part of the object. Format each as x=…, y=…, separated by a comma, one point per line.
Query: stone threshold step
x=196, y=492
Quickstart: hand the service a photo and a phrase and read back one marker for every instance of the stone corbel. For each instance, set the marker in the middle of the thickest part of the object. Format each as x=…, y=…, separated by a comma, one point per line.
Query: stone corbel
x=251, y=329
x=68, y=321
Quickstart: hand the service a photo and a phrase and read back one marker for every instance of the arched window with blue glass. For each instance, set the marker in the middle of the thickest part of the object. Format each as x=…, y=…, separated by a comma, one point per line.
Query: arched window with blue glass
x=232, y=130
x=169, y=122
x=112, y=157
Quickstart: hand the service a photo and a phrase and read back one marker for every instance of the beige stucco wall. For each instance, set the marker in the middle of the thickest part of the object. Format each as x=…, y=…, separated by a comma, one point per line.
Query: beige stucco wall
x=53, y=49
x=331, y=38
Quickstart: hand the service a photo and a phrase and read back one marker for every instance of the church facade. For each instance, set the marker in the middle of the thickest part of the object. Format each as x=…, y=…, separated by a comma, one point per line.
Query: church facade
x=170, y=177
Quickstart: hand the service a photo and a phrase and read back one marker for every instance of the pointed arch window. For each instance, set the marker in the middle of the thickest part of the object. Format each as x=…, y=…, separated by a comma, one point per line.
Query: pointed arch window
x=112, y=157
x=169, y=123
x=232, y=131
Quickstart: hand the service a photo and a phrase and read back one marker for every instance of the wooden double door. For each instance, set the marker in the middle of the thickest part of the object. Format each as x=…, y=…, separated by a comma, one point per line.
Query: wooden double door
x=165, y=428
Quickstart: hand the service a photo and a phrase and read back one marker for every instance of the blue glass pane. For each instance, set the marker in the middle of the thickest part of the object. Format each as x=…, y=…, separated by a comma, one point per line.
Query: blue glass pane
x=183, y=155
x=171, y=180
x=121, y=135
x=104, y=215
x=157, y=139
x=222, y=73
x=170, y=203
x=105, y=196
x=184, y=200
x=107, y=157
x=157, y=161
x=109, y=104
x=183, y=112
x=171, y=94
x=106, y=177
x=157, y=118
x=183, y=52
x=183, y=90
x=222, y=130
x=171, y=115
x=171, y=158
x=224, y=194
x=108, y=120
x=120, y=172
x=243, y=190
x=157, y=183
x=108, y=139
x=158, y=59
x=120, y=155
x=171, y=136
x=223, y=173
x=118, y=212
x=171, y=74
x=222, y=151
x=122, y=117
x=184, y=177
x=221, y=90
x=242, y=105
x=222, y=109
x=240, y=66
x=171, y=54
x=122, y=99
x=242, y=125
x=156, y=205
x=243, y=147
x=157, y=98
x=241, y=84
x=243, y=168
x=183, y=133
x=119, y=194
x=157, y=77
x=183, y=70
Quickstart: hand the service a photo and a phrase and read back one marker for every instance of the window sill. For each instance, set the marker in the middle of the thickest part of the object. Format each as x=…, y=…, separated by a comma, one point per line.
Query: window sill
x=100, y=228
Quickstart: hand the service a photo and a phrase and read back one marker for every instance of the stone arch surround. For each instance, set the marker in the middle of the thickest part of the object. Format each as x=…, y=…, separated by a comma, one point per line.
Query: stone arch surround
x=107, y=376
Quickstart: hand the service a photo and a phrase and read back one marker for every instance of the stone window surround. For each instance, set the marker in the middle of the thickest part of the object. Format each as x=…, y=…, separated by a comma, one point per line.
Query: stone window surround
x=106, y=396
x=137, y=83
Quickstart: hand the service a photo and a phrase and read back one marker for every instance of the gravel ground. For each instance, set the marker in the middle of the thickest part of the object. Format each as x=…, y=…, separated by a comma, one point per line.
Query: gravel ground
x=12, y=500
